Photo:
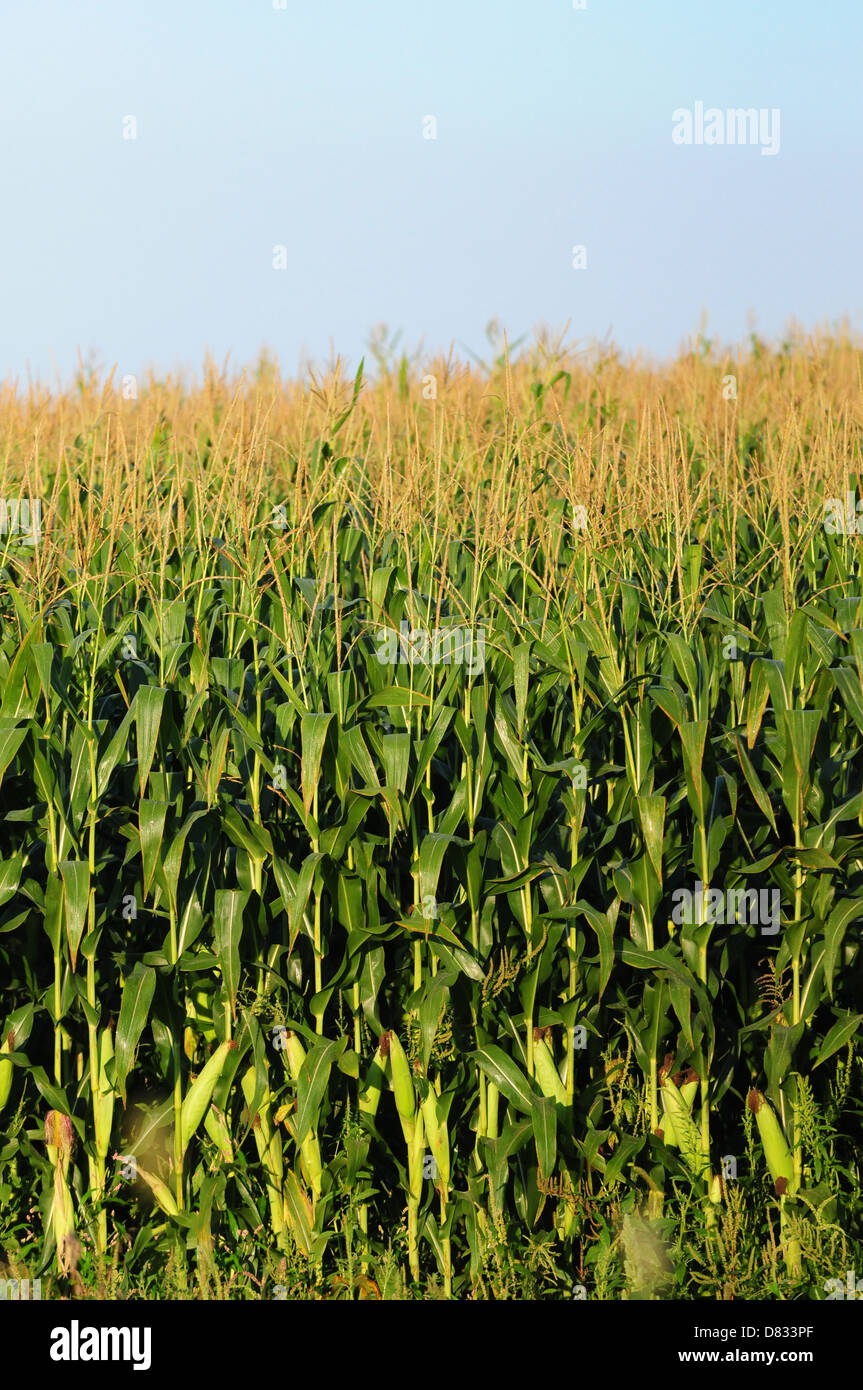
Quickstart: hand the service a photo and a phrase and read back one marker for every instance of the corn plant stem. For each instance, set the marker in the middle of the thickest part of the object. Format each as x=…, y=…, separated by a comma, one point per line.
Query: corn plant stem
x=701, y=1065
x=178, y=1119
x=798, y=913
x=256, y=762
x=467, y=778
x=319, y=978
x=654, y=1097
x=51, y=857
x=797, y=1148
x=417, y=951
x=573, y=973
x=446, y=1244
x=355, y=990
x=570, y=1032
x=577, y=702
x=529, y=1011
x=177, y=1069
x=97, y=1164
x=58, y=1028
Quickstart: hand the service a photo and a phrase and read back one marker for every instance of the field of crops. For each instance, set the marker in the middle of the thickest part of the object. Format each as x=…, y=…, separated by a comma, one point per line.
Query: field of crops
x=431, y=830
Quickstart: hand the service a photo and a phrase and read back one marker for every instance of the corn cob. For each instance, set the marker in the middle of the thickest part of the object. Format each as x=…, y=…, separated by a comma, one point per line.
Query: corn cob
x=269, y=1145
x=780, y=1162
x=159, y=1189
x=438, y=1137
x=403, y=1086
x=62, y=1212
x=103, y=1103
x=310, y=1149
x=684, y=1128
x=545, y=1068
x=200, y=1092
x=687, y=1083
x=60, y=1141
x=6, y=1068
x=370, y=1094
x=217, y=1129
x=59, y=1138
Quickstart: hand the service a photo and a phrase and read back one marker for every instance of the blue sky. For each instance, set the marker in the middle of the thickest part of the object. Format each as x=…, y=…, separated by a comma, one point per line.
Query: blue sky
x=302, y=127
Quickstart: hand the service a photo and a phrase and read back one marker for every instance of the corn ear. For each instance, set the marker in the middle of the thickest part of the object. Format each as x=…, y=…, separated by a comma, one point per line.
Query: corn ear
x=370, y=1094
x=310, y=1150
x=438, y=1137
x=545, y=1070
x=160, y=1190
x=296, y=1055
x=688, y=1092
x=311, y=1163
x=267, y=1140
x=269, y=1145
x=416, y=1151
x=776, y=1151
x=103, y=1103
x=200, y=1092
x=299, y=1216
x=217, y=1129
x=403, y=1084
x=6, y=1068
x=59, y=1139
x=667, y=1130
x=62, y=1212
x=686, y=1132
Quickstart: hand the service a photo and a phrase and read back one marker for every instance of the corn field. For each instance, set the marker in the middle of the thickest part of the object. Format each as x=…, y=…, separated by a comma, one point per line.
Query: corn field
x=432, y=829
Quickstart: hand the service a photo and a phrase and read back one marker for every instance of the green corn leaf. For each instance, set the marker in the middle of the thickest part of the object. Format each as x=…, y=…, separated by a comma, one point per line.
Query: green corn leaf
x=149, y=704
x=314, y=728
x=76, y=895
x=134, y=1011
x=229, y=904
x=510, y=1080
x=544, y=1120
x=312, y=1083
x=842, y=1031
